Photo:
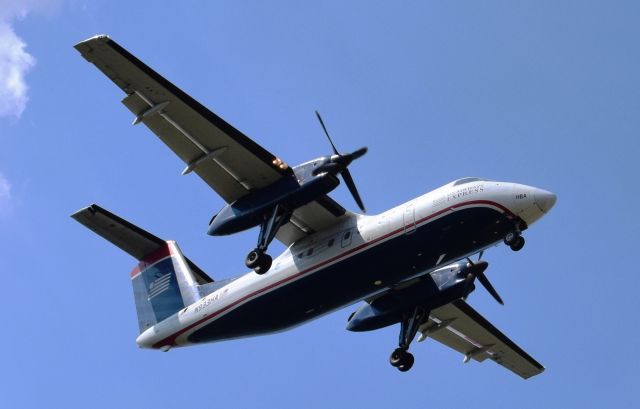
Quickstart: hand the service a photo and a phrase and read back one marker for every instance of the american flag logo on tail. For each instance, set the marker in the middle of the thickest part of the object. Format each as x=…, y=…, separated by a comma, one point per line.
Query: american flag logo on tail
x=159, y=285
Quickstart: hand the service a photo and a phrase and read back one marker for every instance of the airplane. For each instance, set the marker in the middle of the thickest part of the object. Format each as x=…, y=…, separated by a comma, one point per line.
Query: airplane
x=411, y=265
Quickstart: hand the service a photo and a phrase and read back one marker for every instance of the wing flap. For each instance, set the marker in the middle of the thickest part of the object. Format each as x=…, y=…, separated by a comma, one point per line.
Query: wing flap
x=228, y=161
x=315, y=216
x=189, y=129
x=472, y=335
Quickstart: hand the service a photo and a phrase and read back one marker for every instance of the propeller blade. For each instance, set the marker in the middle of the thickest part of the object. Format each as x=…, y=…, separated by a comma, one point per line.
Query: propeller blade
x=327, y=133
x=487, y=285
x=346, y=159
x=359, y=153
x=348, y=180
x=339, y=163
x=480, y=255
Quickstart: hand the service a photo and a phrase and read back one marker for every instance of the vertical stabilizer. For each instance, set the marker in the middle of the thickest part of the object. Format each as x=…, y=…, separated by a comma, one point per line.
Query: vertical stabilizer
x=162, y=285
x=165, y=281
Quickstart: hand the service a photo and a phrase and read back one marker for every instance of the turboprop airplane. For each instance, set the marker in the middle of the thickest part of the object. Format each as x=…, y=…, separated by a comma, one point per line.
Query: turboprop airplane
x=411, y=265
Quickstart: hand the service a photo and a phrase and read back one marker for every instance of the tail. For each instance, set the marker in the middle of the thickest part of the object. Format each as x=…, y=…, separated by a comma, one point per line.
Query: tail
x=164, y=281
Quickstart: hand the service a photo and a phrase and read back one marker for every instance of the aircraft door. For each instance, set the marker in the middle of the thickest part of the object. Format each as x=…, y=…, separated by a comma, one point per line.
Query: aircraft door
x=409, y=219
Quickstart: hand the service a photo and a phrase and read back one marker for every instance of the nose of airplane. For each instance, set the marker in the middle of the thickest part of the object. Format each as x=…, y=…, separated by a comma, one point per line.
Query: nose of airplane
x=544, y=200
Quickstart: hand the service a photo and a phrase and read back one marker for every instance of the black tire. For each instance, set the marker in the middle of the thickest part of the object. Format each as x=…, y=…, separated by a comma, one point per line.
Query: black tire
x=397, y=357
x=407, y=362
x=519, y=244
x=265, y=263
x=253, y=258
x=511, y=238
x=262, y=264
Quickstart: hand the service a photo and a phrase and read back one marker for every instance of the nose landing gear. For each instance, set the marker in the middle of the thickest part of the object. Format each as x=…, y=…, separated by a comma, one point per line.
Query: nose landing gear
x=401, y=358
x=514, y=240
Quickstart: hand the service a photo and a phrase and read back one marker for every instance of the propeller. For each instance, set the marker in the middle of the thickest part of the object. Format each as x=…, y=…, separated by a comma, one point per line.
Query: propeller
x=476, y=270
x=338, y=163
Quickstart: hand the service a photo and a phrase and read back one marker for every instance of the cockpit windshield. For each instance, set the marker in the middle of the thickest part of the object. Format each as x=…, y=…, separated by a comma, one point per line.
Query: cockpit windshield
x=468, y=180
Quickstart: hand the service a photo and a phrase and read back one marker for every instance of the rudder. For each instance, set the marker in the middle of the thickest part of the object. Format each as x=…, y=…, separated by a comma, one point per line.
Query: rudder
x=162, y=285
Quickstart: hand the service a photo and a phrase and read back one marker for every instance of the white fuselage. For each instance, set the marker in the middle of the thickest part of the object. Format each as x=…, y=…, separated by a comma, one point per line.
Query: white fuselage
x=344, y=241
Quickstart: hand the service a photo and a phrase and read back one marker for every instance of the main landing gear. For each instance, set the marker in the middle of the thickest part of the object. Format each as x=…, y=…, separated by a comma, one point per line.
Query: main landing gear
x=514, y=240
x=258, y=259
x=401, y=358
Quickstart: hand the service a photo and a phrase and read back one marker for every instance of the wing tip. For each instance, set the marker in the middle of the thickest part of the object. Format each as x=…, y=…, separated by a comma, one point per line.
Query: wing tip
x=85, y=44
x=92, y=208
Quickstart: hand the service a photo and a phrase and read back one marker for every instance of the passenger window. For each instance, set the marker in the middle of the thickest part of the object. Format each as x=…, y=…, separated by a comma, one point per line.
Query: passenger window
x=310, y=251
x=300, y=255
x=346, y=238
x=330, y=243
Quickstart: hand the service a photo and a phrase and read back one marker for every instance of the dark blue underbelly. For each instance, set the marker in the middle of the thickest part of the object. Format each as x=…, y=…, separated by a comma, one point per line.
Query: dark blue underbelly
x=458, y=234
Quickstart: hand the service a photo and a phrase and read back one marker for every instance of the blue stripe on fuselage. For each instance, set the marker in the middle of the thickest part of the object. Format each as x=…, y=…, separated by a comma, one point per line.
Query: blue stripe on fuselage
x=458, y=234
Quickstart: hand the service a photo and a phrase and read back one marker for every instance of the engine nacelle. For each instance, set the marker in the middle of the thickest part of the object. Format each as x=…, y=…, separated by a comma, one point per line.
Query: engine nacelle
x=251, y=210
x=431, y=292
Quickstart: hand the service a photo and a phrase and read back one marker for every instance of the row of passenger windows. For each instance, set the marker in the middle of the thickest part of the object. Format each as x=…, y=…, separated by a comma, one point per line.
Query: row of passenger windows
x=346, y=236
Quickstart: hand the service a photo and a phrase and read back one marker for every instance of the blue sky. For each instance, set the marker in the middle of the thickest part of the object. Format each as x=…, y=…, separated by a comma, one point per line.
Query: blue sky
x=539, y=92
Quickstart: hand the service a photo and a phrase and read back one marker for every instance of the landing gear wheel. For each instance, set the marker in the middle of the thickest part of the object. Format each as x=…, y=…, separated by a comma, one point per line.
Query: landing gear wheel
x=401, y=359
x=253, y=258
x=407, y=364
x=518, y=245
x=397, y=357
x=265, y=264
x=511, y=238
x=258, y=261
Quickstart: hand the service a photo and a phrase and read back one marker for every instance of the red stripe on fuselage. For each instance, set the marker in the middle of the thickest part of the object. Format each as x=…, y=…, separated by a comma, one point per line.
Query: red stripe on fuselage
x=151, y=258
x=170, y=340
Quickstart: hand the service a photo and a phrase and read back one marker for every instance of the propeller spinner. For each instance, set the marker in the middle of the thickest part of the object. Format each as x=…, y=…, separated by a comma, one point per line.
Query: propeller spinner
x=338, y=163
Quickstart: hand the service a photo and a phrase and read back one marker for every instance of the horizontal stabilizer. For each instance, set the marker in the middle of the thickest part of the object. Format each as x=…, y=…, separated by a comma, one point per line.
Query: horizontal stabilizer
x=130, y=238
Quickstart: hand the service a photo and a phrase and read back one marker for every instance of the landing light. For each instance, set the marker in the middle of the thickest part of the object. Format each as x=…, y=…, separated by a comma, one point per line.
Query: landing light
x=279, y=163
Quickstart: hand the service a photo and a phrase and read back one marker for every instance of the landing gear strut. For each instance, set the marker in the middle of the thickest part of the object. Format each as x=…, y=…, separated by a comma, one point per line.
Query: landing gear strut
x=258, y=259
x=401, y=358
x=514, y=240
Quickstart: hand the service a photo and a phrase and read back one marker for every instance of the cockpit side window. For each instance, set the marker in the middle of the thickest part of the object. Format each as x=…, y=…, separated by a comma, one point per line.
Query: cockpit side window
x=468, y=180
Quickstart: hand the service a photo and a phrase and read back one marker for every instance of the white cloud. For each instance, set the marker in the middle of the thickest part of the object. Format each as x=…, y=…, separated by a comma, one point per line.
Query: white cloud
x=5, y=194
x=15, y=62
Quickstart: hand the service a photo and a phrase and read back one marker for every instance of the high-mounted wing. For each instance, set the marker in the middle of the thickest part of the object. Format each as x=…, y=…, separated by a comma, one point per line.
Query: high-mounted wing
x=229, y=161
x=460, y=327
